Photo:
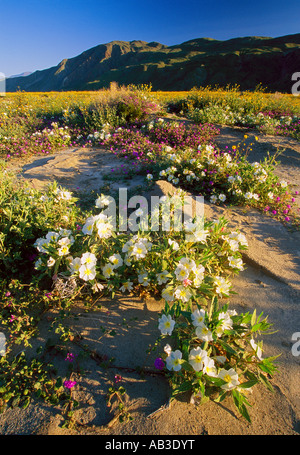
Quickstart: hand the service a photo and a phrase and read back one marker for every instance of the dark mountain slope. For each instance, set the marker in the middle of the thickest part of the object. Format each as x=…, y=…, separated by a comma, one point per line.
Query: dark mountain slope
x=247, y=61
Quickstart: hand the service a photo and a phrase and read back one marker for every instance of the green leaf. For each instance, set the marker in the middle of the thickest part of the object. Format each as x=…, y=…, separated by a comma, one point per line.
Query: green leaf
x=253, y=318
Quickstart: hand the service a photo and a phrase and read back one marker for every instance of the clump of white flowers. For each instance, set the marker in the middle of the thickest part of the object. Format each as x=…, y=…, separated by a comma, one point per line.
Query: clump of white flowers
x=214, y=353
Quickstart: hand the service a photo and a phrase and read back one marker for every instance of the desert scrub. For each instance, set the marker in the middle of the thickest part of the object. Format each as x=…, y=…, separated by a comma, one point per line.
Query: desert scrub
x=214, y=353
x=26, y=214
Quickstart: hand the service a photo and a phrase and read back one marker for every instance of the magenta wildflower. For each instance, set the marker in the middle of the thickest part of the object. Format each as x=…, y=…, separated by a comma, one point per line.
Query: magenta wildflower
x=70, y=384
x=118, y=378
x=70, y=357
x=159, y=363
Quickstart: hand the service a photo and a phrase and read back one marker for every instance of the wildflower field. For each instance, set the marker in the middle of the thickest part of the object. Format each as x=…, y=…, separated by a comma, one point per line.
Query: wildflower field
x=55, y=252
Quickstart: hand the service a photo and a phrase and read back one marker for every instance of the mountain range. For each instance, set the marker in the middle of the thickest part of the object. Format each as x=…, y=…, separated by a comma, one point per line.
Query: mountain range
x=247, y=62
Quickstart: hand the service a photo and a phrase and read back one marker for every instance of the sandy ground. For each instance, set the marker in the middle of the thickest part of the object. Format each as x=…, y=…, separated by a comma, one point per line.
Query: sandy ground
x=270, y=284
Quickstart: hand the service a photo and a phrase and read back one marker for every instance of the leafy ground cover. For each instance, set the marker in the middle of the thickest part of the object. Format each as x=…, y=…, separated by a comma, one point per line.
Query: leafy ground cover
x=52, y=251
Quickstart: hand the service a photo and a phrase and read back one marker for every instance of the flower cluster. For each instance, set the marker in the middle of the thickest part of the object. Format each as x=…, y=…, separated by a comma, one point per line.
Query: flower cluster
x=146, y=261
x=215, y=353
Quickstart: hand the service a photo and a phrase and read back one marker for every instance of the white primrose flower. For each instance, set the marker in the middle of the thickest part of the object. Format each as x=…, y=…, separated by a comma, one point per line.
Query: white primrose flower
x=225, y=325
x=166, y=324
x=64, y=195
x=50, y=262
x=87, y=272
x=88, y=227
x=97, y=287
x=197, y=357
x=167, y=349
x=222, y=197
x=143, y=279
x=139, y=250
x=108, y=270
x=233, y=244
x=173, y=361
x=52, y=236
x=203, y=333
x=168, y=294
x=162, y=277
x=38, y=264
x=231, y=378
x=256, y=348
x=116, y=260
x=63, y=251
x=198, y=317
x=174, y=245
x=102, y=201
x=209, y=367
x=182, y=293
x=149, y=177
x=41, y=245
x=75, y=265
x=181, y=272
x=222, y=286
x=127, y=286
x=88, y=258
x=235, y=263
x=104, y=229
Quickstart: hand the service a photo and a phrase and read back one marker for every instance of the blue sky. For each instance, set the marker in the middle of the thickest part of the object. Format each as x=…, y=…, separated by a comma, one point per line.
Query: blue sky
x=39, y=34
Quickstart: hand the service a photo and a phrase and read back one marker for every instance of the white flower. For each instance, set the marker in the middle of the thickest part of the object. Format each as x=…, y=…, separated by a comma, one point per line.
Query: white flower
x=50, y=262
x=63, y=251
x=167, y=349
x=168, y=294
x=209, y=367
x=235, y=263
x=102, y=201
x=256, y=348
x=41, y=245
x=88, y=258
x=87, y=272
x=162, y=277
x=173, y=361
x=196, y=358
x=149, y=177
x=52, y=236
x=182, y=293
x=233, y=245
x=173, y=244
x=213, y=199
x=139, y=250
x=87, y=228
x=225, y=325
x=203, y=333
x=143, y=279
x=108, y=270
x=198, y=317
x=75, y=264
x=283, y=184
x=127, y=286
x=222, y=197
x=181, y=272
x=222, y=286
x=231, y=378
x=104, y=229
x=64, y=195
x=97, y=287
x=166, y=324
x=116, y=260
x=38, y=264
